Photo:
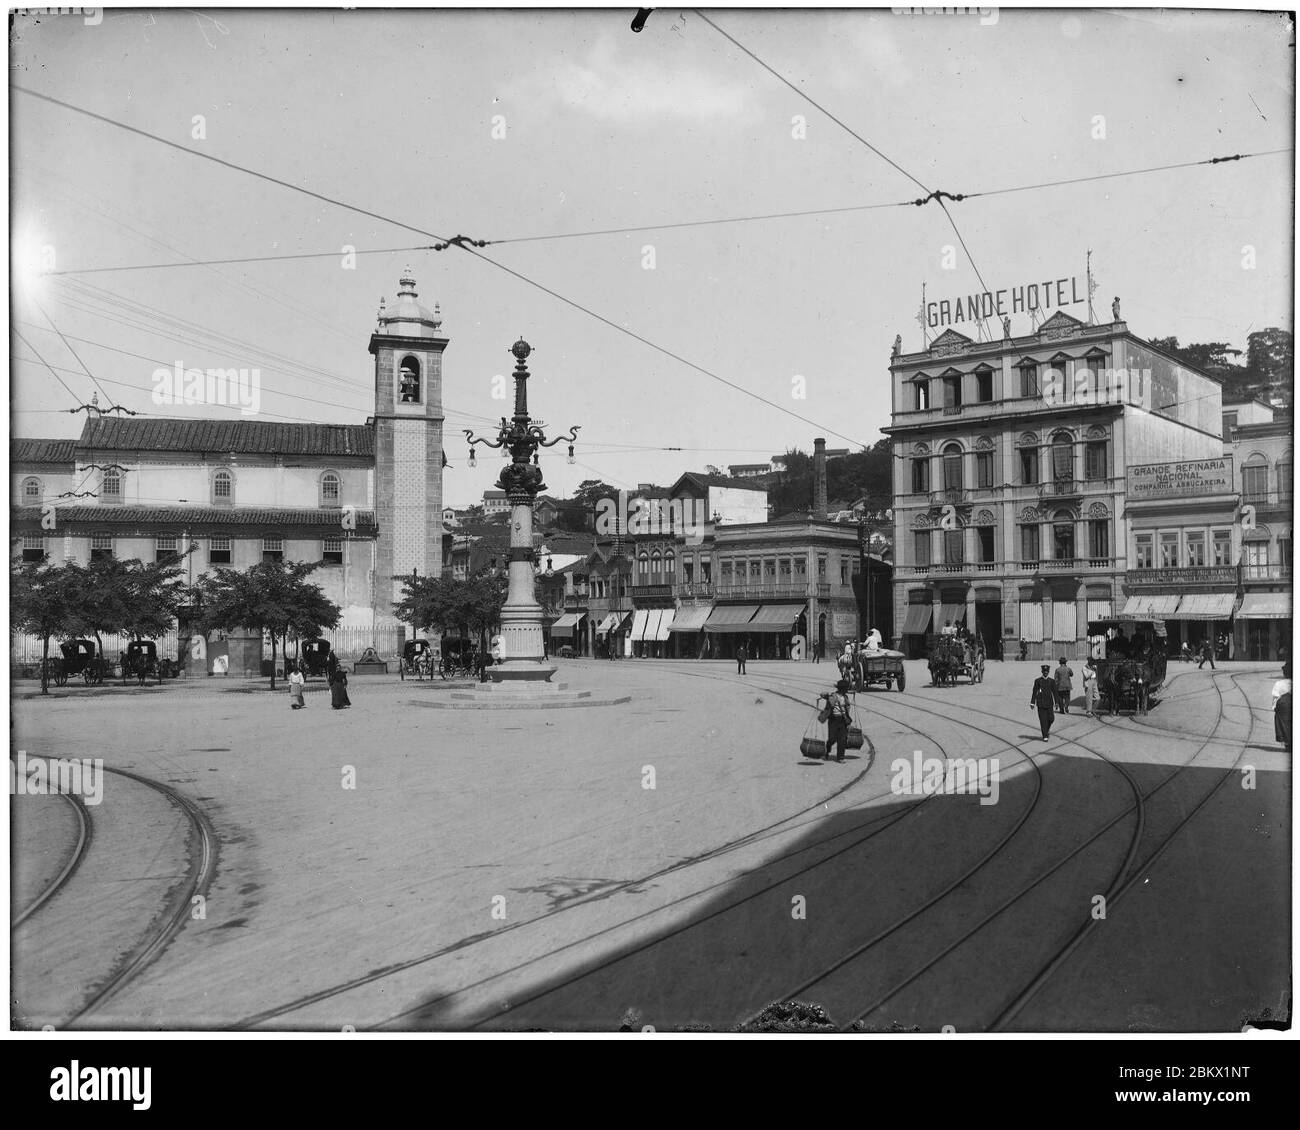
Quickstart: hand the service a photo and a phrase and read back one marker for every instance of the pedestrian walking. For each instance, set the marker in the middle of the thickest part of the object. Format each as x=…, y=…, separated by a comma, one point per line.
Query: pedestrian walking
x=1207, y=652
x=837, y=717
x=1282, y=708
x=1043, y=698
x=296, y=684
x=1064, y=686
x=741, y=655
x=339, y=689
x=1090, y=687
x=817, y=651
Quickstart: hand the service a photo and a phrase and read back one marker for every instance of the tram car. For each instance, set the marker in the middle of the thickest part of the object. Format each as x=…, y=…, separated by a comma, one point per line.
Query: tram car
x=882, y=667
x=957, y=657
x=1132, y=665
x=417, y=660
x=317, y=658
x=140, y=659
x=79, y=658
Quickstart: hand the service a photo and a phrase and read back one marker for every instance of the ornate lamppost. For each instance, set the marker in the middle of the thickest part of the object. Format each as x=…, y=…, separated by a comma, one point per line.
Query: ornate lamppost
x=523, y=657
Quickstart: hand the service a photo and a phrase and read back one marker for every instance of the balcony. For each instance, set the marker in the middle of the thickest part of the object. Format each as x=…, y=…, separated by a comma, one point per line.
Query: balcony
x=574, y=601
x=952, y=409
x=1266, y=572
x=696, y=590
x=950, y=496
x=773, y=591
x=1060, y=488
x=1056, y=565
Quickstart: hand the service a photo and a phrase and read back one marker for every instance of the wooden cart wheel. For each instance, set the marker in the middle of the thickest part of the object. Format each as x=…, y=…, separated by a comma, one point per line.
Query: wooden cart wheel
x=902, y=680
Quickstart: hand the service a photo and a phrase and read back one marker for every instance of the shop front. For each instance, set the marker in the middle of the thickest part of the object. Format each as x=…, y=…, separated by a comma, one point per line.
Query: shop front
x=570, y=630
x=686, y=631
x=1263, y=626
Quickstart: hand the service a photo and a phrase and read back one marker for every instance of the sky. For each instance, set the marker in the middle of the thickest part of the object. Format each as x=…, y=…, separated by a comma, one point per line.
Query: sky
x=516, y=124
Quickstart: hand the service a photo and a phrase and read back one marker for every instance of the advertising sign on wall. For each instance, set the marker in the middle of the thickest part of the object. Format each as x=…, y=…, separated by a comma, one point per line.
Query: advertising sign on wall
x=1177, y=480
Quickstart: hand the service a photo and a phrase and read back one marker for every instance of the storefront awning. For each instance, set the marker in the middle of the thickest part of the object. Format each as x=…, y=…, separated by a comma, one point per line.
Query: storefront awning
x=691, y=619
x=639, y=619
x=917, y=620
x=776, y=617
x=1265, y=606
x=610, y=623
x=1204, y=606
x=665, y=624
x=1148, y=605
x=651, y=628
x=566, y=624
x=731, y=618
x=951, y=613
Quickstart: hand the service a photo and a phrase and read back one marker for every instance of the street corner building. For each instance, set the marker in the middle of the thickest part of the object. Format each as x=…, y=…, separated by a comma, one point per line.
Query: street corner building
x=364, y=499
x=1078, y=472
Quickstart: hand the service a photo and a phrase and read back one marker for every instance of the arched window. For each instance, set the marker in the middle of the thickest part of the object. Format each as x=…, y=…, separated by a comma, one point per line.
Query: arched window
x=31, y=491
x=952, y=476
x=408, y=381
x=670, y=565
x=223, y=488
x=1063, y=460
x=1254, y=479
x=922, y=393
x=643, y=566
x=1284, y=469
x=110, y=486
x=656, y=562
x=1063, y=536
x=331, y=486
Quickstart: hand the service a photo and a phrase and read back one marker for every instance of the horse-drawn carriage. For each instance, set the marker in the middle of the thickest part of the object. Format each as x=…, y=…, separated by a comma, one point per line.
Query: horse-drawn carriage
x=881, y=667
x=79, y=658
x=1133, y=665
x=140, y=659
x=459, y=659
x=317, y=657
x=957, y=657
x=417, y=660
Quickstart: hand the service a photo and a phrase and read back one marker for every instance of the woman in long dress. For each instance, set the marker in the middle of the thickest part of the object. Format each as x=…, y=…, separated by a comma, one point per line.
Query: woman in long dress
x=296, y=682
x=339, y=689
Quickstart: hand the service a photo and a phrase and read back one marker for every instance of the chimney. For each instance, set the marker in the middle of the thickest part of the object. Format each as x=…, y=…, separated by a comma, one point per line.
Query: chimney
x=819, y=479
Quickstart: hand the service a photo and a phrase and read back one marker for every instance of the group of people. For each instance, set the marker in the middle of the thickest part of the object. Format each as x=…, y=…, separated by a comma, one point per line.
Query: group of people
x=338, y=681
x=1053, y=690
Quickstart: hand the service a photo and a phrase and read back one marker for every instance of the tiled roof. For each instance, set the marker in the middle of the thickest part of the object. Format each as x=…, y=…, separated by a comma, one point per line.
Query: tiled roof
x=180, y=516
x=252, y=437
x=706, y=480
x=41, y=451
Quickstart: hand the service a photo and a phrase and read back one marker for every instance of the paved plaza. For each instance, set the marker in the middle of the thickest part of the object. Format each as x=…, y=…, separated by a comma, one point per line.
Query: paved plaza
x=673, y=862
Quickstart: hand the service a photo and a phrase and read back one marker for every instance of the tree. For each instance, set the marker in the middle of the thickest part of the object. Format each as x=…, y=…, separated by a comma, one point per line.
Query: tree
x=1270, y=362
x=472, y=605
x=41, y=600
x=273, y=597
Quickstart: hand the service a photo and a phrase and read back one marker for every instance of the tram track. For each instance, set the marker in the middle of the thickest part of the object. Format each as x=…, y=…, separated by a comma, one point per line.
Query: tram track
x=201, y=863
x=79, y=850
x=662, y=936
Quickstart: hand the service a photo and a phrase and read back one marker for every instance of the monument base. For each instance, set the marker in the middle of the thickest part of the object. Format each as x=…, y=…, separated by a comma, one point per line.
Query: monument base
x=522, y=672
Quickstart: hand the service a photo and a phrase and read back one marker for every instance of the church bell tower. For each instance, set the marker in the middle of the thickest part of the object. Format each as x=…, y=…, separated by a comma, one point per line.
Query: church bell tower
x=407, y=346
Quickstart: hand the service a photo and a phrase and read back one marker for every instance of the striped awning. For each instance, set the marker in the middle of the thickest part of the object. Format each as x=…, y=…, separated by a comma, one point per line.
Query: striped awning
x=776, y=617
x=954, y=613
x=1147, y=605
x=565, y=625
x=730, y=618
x=917, y=619
x=610, y=623
x=639, y=619
x=1204, y=606
x=665, y=624
x=1265, y=606
x=691, y=619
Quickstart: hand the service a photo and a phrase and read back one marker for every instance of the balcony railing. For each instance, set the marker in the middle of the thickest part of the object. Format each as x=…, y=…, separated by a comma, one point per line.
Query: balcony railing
x=1189, y=575
x=1060, y=488
x=1266, y=572
x=643, y=592
x=772, y=591
x=954, y=496
x=696, y=589
x=952, y=409
x=973, y=568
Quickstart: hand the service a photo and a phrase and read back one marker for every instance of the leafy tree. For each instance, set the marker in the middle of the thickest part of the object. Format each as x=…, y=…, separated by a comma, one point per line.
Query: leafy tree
x=274, y=597
x=41, y=602
x=472, y=605
x=1270, y=361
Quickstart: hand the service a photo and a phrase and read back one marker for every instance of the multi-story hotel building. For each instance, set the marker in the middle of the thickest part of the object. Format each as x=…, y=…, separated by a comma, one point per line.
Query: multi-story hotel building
x=1011, y=461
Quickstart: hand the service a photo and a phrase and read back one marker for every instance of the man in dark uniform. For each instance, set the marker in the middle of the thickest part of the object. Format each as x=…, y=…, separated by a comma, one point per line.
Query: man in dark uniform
x=1043, y=696
x=740, y=659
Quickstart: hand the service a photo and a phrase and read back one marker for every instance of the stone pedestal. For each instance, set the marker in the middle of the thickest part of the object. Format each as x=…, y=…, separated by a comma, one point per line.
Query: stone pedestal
x=523, y=655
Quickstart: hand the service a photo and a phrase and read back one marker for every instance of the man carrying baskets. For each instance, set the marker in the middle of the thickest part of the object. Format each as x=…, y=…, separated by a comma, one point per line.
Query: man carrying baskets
x=837, y=717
